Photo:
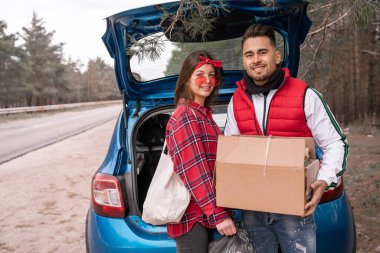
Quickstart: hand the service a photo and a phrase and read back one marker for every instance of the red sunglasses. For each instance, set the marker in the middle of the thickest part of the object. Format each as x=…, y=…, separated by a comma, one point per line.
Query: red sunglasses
x=199, y=80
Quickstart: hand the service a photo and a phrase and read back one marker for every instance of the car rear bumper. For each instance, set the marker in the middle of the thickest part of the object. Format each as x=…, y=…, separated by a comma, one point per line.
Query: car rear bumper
x=105, y=234
x=334, y=220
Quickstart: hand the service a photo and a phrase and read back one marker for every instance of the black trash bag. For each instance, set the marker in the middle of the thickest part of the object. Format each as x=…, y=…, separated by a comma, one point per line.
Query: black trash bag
x=238, y=243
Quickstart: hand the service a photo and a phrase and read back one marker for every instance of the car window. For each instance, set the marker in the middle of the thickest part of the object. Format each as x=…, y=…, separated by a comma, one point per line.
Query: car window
x=172, y=54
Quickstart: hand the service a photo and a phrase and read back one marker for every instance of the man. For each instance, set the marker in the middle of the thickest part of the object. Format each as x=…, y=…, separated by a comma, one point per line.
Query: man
x=268, y=101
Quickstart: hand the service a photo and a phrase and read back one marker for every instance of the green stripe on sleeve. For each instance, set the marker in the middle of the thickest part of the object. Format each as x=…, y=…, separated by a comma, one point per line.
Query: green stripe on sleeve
x=337, y=128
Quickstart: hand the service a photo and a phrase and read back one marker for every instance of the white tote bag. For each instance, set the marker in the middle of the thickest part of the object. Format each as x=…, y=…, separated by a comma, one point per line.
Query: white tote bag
x=167, y=197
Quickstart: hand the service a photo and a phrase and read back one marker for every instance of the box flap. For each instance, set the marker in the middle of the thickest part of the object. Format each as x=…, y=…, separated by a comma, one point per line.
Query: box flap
x=263, y=150
x=311, y=175
x=310, y=144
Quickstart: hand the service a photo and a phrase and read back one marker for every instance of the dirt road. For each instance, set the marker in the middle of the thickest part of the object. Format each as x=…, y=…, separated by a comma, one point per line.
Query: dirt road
x=45, y=194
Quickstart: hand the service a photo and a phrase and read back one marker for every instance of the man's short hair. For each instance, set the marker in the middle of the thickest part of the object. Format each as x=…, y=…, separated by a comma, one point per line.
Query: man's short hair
x=257, y=30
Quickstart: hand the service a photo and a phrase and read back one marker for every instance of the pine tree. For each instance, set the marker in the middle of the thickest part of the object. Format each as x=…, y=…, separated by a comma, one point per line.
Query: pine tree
x=44, y=63
x=11, y=69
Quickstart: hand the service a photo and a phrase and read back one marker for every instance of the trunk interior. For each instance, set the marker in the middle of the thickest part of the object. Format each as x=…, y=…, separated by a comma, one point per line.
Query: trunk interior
x=149, y=140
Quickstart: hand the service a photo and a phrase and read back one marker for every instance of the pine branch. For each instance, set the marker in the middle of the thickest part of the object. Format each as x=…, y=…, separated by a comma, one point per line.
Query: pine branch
x=362, y=12
x=150, y=47
x=192, y=19
x=270, y=3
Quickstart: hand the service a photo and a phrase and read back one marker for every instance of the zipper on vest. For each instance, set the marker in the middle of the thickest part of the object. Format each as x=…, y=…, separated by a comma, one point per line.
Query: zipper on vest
x=250, y=97
x=265, y=108
x=265, y=126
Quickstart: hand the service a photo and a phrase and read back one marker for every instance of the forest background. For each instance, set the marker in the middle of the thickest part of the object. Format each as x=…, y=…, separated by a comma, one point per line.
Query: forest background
x=340, y=58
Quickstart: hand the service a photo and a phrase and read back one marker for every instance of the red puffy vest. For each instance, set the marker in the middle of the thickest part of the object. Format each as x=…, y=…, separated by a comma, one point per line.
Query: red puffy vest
x=286, y=116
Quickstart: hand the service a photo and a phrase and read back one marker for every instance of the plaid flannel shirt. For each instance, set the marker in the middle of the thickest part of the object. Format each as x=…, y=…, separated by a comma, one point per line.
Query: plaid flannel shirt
x=192, y=136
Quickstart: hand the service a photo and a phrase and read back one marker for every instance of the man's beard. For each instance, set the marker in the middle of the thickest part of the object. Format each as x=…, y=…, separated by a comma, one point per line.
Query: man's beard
x=273, y=82
x=260, y=79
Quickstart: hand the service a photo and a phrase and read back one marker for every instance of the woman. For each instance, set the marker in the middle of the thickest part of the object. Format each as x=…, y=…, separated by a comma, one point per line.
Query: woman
x=191, y=137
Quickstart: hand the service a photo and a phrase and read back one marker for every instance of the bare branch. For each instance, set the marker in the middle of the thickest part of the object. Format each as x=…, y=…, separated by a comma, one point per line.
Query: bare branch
x=176, y=19
x=373, y=53
x=320, y=8
x=328, y=25
x=318, y=47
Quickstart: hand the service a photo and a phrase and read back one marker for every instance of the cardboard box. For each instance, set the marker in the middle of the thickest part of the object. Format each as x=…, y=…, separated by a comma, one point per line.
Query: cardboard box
x=264, y=173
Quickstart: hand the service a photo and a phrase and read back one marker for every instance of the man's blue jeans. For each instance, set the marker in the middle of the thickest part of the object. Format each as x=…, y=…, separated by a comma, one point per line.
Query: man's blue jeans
x=269, y=231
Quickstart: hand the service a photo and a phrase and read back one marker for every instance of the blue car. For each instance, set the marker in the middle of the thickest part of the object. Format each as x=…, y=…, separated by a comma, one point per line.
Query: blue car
x=120, y=185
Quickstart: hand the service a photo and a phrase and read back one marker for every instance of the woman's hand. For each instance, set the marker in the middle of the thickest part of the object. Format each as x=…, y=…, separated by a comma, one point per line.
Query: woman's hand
x=226, y=227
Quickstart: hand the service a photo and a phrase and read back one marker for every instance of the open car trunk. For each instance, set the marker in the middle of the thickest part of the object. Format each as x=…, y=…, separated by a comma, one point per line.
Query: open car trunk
x=149, y=138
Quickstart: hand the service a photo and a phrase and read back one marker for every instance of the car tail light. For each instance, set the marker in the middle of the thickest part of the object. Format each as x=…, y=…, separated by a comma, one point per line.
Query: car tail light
x=106, y=196
x=333, y=194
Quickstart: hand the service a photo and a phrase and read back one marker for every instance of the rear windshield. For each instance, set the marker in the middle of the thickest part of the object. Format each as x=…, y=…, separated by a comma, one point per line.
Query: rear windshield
x=171, y=55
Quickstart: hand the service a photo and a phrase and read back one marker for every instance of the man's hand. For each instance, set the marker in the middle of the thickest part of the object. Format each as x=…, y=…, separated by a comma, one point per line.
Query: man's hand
x=226, y=227
x=319, y=188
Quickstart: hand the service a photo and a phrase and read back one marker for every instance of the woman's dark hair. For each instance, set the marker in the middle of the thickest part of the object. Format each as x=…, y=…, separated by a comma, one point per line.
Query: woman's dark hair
x=258, y=30
x=182, y=89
